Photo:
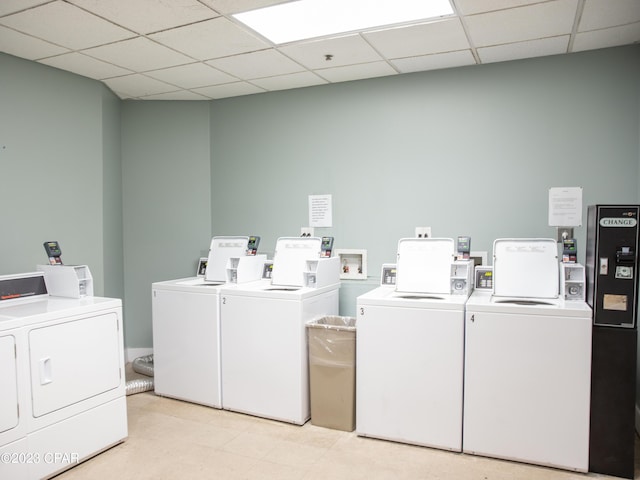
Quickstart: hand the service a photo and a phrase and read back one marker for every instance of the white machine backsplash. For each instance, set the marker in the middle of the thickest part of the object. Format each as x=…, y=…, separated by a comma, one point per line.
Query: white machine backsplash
x=427, y=265
x=291, y=257
x=220, y=251
x=525, y=267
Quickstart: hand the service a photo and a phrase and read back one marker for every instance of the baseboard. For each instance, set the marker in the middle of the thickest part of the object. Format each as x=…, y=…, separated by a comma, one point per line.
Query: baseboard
x=131, y=354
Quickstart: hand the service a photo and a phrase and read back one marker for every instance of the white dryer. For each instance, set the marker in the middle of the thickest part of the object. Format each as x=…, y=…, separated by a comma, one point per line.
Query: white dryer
x=409, y=355
x=186, y=323
x=527, y=362
x=62, y=387
x=263, y=328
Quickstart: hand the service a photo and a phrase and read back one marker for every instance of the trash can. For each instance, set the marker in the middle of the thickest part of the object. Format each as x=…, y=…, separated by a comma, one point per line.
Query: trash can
x=332, y=372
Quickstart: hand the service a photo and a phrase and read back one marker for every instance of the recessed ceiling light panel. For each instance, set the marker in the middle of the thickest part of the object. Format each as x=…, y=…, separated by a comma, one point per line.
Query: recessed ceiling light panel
x=304, y=19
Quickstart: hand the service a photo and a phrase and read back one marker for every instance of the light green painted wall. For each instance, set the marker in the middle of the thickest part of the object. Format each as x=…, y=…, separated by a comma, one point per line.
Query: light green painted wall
x=112, y=185
x=467, y=151
x=56, y=151
x=167, y=204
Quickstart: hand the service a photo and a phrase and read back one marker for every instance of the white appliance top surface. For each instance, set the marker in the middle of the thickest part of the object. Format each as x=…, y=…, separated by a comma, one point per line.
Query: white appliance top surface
x=389, y=296
x=526, y=267
x=483, y=301
x=17, y=313
x=424, y=265
x=220, y=251
x=266, y=289
x=189, y=284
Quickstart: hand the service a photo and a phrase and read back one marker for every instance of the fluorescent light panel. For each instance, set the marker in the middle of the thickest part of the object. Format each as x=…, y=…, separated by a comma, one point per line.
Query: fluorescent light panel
x=304, y=19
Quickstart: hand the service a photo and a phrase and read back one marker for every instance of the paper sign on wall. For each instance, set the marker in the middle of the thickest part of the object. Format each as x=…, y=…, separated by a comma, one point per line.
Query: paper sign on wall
x=320, y=214
x=565, y=207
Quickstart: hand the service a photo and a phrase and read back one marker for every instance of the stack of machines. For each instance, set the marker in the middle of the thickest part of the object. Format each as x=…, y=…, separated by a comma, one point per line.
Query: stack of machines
x=410, y=341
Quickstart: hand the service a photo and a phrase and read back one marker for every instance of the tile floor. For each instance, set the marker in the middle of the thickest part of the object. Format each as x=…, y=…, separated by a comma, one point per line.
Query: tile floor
x=170, y=439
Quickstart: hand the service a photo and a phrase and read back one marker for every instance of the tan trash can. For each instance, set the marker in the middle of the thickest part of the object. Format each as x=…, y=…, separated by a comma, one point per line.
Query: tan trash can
x=332, y=372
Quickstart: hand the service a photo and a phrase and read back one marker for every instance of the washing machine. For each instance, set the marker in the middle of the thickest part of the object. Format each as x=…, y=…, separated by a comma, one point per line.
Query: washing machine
x=62, y=387
x=410, y=340
x=527, y=362
x=186, y=322
x=263, y=328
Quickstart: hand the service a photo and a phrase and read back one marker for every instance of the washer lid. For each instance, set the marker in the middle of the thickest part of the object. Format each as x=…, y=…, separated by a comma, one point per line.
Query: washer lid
x=290, y=259
x=525, y=267
x=424, y=265
x=220, y=251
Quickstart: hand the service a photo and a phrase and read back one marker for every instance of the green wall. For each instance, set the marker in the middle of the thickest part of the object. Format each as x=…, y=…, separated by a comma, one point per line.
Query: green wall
x=136, y=189
x=467, y=151
x=167, y=202
x=59, y=171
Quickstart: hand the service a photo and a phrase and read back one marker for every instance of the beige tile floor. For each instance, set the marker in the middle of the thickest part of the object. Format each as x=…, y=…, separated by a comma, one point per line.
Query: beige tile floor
x=170, y=439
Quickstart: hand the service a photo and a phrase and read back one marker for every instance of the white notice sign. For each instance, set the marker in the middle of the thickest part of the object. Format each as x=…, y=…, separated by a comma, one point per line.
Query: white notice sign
x=565, y=207
x=320, y=214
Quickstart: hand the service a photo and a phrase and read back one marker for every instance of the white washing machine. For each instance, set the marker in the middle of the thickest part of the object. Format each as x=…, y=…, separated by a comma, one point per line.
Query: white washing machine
x=186, y=323
x=62, y=382
x=410, y=339
x=264, y=342
x=527, y=362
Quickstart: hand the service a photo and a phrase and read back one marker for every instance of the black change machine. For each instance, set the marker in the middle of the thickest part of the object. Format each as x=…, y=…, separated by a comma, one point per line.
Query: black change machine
x=612, y=293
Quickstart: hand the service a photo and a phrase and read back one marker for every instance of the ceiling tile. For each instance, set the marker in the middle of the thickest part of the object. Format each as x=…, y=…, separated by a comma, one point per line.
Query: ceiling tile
x=138, y=54
x=85, y=66
x=191, y=76
x=434, y=37
x=210, y=39
x=356, y=72
x=525, y=23
x=529, y=49
x=470, y=7
x=599, y=14
x=66, y=25
x=295, y=80
x=135, y=15
x=236, y=6
x=137, y=85
x=345, y=50
x=434, y=61
x=179, y=47
x=24, y=46
x=608, y=37
x=179, y=95
x=12, y=6
x=229, y=90
x=265, y=63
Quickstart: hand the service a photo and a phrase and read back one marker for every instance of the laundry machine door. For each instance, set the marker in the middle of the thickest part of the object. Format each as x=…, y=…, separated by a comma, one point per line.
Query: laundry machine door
x=8, y=384
x=73, y=361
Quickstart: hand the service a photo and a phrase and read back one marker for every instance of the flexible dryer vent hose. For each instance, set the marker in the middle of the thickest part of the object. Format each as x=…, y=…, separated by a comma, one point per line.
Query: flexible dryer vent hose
x=143, y=365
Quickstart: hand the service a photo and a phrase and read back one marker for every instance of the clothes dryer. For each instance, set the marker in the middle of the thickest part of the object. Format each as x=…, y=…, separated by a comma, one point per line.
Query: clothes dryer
x=410, y=340
x=527, y=362
x=263, y=329
x=62, y=395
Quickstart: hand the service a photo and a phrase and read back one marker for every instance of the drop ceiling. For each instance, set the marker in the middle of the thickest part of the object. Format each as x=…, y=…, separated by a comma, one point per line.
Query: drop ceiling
x=197, y=50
